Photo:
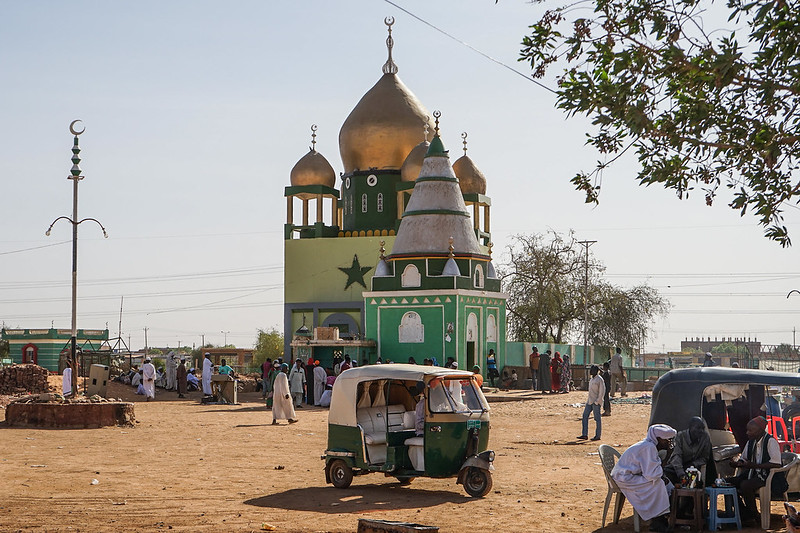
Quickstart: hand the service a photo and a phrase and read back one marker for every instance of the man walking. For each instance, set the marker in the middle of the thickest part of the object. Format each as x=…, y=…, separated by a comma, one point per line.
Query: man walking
x=282, y=407
x=297, y=382
x=618, y=374
x=149, y=380
x=171, y=370
x=596, y=391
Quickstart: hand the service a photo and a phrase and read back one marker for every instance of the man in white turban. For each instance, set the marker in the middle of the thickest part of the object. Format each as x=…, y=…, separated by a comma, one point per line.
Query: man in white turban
x=282, y=405
x=320, y=376
x=208, y=369
x=171, y=370
x=639, y=475
x=149, y=380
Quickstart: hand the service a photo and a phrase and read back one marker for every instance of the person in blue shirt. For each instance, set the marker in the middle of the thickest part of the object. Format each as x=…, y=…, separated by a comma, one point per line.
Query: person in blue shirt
x=225, y=369
x=491, y=367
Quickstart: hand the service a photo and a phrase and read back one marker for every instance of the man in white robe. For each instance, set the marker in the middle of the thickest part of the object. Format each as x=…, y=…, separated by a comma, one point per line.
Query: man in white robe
x=297, y=383
x=320, y=376
x=208, y=368
x=66, y=381
x=282, y=405
x=149, y=380
x=172, y=370
x=639, y=475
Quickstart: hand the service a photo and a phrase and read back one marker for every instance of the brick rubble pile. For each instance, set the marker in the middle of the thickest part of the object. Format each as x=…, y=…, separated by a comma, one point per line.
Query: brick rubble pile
x=21, y=379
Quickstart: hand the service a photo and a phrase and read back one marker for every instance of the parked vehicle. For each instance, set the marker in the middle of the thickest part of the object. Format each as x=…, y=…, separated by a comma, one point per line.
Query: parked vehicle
x=372, y=426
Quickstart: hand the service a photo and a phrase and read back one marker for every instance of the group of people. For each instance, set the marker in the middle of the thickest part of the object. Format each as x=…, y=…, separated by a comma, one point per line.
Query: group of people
x=551, y=372
x=648, y=471
x=175, y=377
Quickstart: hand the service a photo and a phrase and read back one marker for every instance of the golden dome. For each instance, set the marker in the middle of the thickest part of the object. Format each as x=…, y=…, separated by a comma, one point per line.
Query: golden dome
x=413, y=163
x=313, y=169
x=471, y=179
x=386, y=124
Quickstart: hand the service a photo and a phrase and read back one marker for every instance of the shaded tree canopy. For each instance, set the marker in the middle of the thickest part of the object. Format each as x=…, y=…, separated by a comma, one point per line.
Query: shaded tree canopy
x=705, y=105
x=545, y=279
x=269, y=343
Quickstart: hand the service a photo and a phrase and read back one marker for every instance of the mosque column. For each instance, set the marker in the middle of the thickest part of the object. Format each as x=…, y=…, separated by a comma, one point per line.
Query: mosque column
x=486, y=227
x=335, y=212
x=400, y=206
x=305, y=211
x=476, y=215
x=290, y=210
x=319, y=208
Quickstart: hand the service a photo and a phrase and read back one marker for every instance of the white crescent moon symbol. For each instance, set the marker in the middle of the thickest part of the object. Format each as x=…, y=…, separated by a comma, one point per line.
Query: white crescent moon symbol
x=72, y=127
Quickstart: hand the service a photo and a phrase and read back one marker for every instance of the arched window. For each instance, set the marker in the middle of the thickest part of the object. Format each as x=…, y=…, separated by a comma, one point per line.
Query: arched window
x=364, y=203
x=380, y=202
x=410, y=277
x=472, y=327
x=411, y=328
x=491, y=329
x=478, y=277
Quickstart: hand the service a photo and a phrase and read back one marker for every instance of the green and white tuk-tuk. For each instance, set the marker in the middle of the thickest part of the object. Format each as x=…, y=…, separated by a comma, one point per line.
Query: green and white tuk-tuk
x=372, y=426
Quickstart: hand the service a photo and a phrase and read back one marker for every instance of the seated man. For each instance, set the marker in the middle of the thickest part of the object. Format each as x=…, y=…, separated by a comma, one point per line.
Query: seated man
x=192, y=383
x=761, y=453
x=639, y=472
x=692, y=448
x=136, y=380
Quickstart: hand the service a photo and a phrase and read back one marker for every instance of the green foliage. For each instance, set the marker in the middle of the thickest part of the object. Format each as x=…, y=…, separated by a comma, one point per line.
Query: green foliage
x=4, y=349
x=700, y=109
x=155, y=351
x=268, y=344
x=729, y=348
x=546, y=281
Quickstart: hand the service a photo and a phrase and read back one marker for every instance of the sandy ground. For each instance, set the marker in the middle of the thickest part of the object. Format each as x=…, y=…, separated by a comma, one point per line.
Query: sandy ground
x=192, y=467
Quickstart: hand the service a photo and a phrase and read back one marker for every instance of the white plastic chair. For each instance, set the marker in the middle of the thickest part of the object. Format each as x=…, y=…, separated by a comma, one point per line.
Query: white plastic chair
x=789, y=460
x=609, y=456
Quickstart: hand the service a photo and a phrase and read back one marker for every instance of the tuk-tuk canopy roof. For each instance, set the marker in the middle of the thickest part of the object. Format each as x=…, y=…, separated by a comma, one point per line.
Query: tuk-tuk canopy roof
x=345, y=388
x=678, y=394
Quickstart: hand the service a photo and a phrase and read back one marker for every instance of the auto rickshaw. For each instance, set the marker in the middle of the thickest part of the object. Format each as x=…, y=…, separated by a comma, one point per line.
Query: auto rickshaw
x=372, y=419
x=726, y=398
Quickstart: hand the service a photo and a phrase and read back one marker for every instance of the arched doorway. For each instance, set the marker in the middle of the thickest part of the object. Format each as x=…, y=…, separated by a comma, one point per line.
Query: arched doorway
x=30, y=354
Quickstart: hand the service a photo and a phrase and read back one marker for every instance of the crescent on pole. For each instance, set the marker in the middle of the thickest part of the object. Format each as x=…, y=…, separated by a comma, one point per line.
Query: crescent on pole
x=72, y=127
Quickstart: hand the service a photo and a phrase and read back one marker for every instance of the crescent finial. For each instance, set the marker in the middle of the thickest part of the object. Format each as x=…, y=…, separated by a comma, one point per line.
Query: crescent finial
x=72, y=127
x=464, y=136
x=313, y=137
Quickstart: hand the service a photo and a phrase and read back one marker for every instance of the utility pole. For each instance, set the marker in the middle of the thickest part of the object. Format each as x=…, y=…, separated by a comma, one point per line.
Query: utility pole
x=203, y=340
x=145, y=342
x=586, y=244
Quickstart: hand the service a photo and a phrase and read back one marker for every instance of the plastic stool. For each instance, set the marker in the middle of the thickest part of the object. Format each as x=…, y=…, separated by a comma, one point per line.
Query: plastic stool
x=731, y=506
x=698, y=508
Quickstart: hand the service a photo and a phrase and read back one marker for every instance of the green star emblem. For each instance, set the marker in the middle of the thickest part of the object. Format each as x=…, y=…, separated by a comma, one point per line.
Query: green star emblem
x=355, y=273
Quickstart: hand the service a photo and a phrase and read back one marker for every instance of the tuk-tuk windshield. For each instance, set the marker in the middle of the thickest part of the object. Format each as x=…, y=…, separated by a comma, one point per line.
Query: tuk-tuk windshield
x=452, y=395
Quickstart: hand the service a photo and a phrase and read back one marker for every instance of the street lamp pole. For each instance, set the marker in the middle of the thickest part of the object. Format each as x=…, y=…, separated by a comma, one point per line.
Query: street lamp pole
x=226, y=338
x=586, y=361
x=75, y=176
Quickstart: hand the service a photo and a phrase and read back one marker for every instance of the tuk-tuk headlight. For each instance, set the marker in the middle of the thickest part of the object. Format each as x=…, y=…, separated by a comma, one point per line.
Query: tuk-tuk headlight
x=491, y=456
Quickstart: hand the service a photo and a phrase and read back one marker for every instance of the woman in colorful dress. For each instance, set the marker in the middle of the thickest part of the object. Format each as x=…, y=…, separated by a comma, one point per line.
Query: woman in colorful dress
x=566, y=374
x=555, y=372
x=273, y=373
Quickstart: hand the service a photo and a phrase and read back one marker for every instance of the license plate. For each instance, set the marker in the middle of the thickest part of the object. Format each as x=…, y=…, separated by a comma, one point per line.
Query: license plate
x=473, y=424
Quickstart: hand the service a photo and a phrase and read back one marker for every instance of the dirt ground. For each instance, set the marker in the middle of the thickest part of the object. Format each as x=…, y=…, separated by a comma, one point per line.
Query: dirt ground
x=192, y=467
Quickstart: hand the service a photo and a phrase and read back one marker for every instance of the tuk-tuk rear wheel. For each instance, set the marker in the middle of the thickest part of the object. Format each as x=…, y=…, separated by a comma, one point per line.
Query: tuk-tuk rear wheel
x=341, y=475
x=404, y=480
x=477, y=482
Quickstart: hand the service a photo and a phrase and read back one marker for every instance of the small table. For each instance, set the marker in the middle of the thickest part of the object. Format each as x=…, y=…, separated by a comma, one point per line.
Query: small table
x=698, y=508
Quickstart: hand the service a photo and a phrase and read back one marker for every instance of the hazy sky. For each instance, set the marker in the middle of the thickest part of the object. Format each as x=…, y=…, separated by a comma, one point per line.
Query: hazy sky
x=195, y=113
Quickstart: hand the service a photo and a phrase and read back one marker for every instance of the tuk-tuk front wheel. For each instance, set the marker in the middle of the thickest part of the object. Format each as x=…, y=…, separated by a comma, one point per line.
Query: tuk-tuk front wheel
x=341, y=475
x=477, y=482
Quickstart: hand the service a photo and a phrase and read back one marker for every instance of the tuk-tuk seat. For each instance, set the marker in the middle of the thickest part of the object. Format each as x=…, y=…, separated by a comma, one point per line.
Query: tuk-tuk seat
x=373, y=422
x=416, y=452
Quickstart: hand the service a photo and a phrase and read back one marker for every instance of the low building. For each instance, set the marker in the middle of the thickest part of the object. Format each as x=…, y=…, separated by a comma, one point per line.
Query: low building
x=44, y=346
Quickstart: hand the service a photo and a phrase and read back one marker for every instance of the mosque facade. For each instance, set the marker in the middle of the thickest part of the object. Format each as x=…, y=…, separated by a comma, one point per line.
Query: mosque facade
x=393, y=259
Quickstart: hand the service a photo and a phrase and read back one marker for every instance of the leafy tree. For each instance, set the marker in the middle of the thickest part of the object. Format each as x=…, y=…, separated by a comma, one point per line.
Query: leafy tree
x=268, y=344
x=546, y=281
x=4, y=349
x=728, y=348
x=700, y=108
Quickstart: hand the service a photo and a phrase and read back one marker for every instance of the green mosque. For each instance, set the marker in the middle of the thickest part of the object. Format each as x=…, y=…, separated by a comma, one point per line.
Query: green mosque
x=393, y=259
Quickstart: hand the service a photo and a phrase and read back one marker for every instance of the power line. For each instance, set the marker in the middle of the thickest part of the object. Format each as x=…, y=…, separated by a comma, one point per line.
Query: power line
x=459, y=41
x=34, y=248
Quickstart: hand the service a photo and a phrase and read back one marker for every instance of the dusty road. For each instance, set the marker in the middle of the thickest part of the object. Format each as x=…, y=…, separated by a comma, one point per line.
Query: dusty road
x=192, y=467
